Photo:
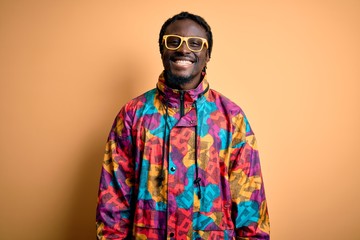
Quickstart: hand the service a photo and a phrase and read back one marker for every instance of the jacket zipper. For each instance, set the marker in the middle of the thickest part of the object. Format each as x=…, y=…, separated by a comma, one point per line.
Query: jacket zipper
x=182, y=110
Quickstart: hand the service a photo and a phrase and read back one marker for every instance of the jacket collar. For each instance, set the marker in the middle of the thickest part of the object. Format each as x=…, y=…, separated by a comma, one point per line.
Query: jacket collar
x=172, y=96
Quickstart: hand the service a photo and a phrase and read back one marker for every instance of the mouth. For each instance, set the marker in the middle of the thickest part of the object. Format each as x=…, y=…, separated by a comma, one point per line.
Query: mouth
x=181, y=62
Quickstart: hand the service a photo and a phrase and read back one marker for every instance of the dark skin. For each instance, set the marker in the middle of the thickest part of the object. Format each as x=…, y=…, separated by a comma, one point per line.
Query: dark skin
x=182, y=63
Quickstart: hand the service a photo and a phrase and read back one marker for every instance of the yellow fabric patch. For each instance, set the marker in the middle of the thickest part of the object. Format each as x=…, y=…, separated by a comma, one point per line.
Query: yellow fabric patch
x=242, y=186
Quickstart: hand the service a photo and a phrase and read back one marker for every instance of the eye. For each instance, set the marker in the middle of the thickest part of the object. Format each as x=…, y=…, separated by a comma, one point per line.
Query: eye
x=173, y=41
x=195, y=42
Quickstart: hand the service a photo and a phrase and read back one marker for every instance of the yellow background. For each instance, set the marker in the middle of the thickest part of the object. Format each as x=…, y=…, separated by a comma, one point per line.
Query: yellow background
x=66, y=68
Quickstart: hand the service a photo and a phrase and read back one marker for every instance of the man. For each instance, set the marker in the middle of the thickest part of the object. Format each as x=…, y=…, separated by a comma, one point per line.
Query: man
x=181, y=160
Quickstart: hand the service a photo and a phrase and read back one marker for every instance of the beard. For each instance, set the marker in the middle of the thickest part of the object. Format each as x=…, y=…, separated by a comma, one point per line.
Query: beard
x=175, y=81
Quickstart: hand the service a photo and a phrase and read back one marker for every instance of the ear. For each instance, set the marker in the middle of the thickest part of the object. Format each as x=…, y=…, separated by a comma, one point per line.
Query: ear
x=207, y=56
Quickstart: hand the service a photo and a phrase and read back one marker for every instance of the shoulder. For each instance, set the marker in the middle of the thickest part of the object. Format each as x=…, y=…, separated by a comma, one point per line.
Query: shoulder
x=136, y=104
x=232, y=110
x=225, y=104
x=141, y=100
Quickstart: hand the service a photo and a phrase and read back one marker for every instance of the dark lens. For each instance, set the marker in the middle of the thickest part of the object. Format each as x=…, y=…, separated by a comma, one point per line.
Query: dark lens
x=195, y=43
x=173, y=41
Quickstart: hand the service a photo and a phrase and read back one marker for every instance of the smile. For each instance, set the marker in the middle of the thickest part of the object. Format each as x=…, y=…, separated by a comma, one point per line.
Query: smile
x=183, y=62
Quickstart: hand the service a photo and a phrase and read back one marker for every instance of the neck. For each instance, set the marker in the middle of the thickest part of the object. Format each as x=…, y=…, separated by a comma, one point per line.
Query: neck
x=182, y=83
x=191, y=85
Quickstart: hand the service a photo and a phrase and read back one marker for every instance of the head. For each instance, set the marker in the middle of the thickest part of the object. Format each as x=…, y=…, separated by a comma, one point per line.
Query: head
x=183, y=67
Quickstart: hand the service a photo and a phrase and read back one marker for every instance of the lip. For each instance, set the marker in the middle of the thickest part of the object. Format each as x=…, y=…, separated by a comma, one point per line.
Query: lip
x=182, y=59
x=182, y=62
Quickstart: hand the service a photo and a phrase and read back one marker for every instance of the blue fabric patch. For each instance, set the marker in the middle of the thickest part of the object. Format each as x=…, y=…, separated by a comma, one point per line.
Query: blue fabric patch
x=205, y=111
x=209, y=194
x=125, y=214
x=239, y=145
x=148, y=108
x=196, y=236
x=248, y=212
x=247, y=125
x=200, y=222
x=225, y=139
x=160, y=206
x=186, y=199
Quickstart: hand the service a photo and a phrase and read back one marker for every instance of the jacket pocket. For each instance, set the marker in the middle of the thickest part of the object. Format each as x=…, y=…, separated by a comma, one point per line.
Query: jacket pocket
x=147, y=216
x=214, y=235
x=213, y=220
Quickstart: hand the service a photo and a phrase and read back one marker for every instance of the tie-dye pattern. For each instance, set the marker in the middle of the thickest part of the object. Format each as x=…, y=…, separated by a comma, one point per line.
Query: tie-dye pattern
x=153, y=156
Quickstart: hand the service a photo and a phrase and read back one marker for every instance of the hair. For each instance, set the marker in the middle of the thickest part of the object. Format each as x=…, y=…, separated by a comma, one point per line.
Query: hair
x=185, y=15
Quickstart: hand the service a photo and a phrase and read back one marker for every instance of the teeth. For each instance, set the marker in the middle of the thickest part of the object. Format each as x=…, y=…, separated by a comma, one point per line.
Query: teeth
x=183, y=62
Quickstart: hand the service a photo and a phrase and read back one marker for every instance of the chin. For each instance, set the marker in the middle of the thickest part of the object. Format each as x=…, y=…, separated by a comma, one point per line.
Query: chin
x=176, y=80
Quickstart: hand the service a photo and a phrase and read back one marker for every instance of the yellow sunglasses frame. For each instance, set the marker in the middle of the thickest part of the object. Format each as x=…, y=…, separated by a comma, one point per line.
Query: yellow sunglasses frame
x=185, y=39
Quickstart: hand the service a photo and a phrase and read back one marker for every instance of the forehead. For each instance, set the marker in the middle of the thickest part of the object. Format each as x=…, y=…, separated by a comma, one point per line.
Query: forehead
x=185, y=28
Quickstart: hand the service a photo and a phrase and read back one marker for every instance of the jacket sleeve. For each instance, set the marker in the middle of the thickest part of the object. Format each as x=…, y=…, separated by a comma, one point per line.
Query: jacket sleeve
x=249, y=208
x=114, y=212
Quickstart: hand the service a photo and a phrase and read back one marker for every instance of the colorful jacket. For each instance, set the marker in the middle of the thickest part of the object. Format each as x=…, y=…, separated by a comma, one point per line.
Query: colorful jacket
x=181, y=165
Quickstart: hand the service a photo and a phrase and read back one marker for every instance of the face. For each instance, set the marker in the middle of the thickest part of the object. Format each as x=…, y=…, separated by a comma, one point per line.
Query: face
x=183, y=67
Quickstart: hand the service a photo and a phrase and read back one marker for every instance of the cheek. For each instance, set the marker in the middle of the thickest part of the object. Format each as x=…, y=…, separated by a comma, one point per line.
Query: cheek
x=203, y=60
x=165, y=59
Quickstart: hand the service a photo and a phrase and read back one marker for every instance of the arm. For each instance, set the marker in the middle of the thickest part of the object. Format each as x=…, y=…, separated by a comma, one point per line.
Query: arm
x=250, y=214
x=114, y=212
